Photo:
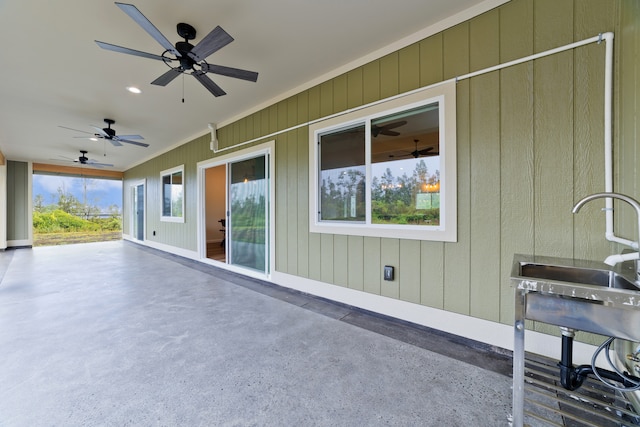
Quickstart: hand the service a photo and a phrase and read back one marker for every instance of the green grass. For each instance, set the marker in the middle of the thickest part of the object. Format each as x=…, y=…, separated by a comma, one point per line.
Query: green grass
x=67, y=238
x=57, y=227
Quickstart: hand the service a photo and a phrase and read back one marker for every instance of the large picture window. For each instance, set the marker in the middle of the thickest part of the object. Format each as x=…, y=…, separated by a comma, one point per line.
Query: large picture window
x=172, y=194
x=387, y=170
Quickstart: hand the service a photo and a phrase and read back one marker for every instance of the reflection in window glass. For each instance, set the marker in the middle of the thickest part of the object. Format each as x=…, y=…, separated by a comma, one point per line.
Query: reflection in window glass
x=342, y=175
x=248, y=213
x=397, y=160
x=172, y=195
x=405, y=167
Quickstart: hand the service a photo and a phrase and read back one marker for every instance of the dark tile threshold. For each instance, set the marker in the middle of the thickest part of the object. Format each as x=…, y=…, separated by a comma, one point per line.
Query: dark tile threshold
x=463, y=349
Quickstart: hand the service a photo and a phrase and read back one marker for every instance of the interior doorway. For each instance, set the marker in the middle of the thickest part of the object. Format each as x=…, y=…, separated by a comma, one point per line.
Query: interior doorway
x=235, y=218
x=215, y=212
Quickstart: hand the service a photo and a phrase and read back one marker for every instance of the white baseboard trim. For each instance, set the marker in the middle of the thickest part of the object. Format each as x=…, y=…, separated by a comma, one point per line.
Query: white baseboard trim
x=487, y=332
x=19, y=243
x=186, y=253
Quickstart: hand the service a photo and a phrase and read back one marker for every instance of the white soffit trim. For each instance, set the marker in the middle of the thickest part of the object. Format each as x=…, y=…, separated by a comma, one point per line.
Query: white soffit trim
x=449, y=22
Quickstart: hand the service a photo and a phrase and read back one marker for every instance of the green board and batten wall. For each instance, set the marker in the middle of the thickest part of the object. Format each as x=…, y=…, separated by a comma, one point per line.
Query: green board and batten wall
x=530, y=144
x=18, y=202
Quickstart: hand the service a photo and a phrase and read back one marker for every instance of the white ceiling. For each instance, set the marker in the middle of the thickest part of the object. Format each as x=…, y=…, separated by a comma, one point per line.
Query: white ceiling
x=53, y=73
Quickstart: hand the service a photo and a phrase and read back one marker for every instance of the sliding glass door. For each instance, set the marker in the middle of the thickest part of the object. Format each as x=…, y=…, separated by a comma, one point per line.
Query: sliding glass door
x=247, y=230
x=137, y=220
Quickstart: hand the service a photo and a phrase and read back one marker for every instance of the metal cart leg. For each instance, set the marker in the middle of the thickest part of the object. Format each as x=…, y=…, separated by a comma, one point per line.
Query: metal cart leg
x=518, y=359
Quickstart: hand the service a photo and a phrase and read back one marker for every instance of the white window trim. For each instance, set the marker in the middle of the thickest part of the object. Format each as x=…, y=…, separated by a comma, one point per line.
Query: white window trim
x=165, y=173
x=445, y=95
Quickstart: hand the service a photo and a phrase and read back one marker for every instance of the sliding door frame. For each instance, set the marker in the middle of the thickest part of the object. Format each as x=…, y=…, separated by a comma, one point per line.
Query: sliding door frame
x=266, y=149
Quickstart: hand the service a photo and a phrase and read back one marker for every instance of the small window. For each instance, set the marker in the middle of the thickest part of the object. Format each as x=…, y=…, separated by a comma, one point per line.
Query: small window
x=172, y=194
x=387, y=170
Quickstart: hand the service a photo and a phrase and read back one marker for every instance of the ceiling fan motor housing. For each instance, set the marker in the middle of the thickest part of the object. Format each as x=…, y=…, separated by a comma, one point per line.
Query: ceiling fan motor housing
x=186, y=63
x=191, y=58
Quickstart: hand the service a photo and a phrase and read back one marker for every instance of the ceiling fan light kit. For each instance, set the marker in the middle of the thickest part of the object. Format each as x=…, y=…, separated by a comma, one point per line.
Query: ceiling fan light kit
x=188, y=58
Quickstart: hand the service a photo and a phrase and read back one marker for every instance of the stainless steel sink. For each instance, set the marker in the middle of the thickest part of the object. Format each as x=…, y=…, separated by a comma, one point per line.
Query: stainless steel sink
x=573, y=274
x=575, y=294
x=584, y=295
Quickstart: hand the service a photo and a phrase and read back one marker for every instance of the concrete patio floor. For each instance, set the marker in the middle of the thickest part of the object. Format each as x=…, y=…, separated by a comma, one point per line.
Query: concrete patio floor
x=115, y=333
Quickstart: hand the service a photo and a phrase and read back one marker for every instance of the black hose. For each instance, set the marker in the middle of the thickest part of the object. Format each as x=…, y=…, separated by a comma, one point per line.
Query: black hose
x=572, y=377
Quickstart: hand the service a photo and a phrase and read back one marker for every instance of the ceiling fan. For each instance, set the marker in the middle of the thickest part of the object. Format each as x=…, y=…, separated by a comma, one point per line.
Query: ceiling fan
x=84, y=160
x=417, y=153
x=110, y=135
x=386, y=129
x=189, y=59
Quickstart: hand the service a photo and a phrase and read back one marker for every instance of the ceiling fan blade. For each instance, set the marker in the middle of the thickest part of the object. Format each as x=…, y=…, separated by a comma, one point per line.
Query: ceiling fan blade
x=126, y=50
x=115, y=142
x=167, y=77
x=121, y=137
x=141, y=144
x=425, y=151
x=394, y=125
x=69, y=159
x=96, y=164
x=208, y=83
x=101, y=132
x=212, y=42
x=146, y=25
x=389, y=132
x=77, y=130
x=237, y=73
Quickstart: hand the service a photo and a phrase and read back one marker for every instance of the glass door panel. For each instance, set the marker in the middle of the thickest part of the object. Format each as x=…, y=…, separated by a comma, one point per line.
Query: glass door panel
x=247, y=222
x=138, y=209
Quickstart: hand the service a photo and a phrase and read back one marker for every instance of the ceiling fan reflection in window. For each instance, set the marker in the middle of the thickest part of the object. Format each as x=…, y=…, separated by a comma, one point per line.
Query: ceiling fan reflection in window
x=386, y=129
x=184, y=58
x=425, y=152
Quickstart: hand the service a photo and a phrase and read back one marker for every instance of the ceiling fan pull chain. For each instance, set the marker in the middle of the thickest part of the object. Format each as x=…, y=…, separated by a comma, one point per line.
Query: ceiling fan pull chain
x=183, y=88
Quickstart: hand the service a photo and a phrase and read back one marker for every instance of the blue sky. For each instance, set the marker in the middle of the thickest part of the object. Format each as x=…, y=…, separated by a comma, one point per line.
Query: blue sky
x=99, y=192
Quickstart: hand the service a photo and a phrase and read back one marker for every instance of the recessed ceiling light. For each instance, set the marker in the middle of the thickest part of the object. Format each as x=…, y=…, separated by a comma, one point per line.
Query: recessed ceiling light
x=93, y=139
x=133, y=89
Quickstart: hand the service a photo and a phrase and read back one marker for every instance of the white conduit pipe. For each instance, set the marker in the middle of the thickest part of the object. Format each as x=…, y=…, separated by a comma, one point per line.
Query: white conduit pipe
x=608, y=144
x=608, y=91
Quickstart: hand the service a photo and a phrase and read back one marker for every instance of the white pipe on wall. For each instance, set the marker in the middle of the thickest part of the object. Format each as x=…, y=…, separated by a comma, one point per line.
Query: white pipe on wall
x=608, y=93
x=608, y=144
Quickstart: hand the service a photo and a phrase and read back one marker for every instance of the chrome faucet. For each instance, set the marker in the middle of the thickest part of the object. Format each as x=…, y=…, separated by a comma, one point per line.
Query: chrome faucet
x=614, y=259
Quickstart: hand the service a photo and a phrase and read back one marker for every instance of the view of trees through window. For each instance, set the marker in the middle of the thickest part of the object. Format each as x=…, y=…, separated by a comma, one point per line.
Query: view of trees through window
x=248, y=213
x=412, y=198
x=75, y=209
x=172, y=203
x=403, y=163
x=402, y=192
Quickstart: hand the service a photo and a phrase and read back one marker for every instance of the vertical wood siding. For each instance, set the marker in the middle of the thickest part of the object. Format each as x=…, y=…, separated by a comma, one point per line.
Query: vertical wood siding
x=17, y=200
x=181, y=235
x=529, y=145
